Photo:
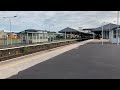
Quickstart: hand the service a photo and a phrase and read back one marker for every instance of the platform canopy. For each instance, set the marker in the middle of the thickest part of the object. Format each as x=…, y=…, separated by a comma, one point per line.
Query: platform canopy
x=68, y=30
x=73, y=31
x=33, y=31
x=106, y=27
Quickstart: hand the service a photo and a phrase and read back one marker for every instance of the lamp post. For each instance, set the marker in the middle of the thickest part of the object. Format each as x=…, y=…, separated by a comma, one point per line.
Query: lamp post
x=117, y=32
x=93, y=35
x=49, y=34
x=10, y=25
x=102, y=32
x=65, y=34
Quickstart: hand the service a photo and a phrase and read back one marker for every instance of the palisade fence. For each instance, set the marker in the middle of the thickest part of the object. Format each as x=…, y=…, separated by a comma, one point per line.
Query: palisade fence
x=9, y=53
x=19, y=41
x=7, y=41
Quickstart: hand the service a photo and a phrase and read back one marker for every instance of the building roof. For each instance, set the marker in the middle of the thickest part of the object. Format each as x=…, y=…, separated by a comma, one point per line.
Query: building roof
x=72, y=30
x=89, y=29
x=32, y=30
x=68, y=30
x=116, y=28
x=51, y=32
x=106, y=27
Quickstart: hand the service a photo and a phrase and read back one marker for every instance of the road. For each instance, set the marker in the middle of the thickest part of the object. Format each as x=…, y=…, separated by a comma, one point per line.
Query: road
x=89, y=61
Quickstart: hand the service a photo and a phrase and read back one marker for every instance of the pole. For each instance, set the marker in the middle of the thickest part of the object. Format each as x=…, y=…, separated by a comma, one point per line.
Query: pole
x=10, y=31
x=102, y=33
x=109, y=33
x=36, y=37
x=109, y=28
x=93, y=35
x=21, y=38
x=10, y=28
x=65, y=35
x=49, y=33
x=32, y=38
x=117, y=28
x=7, y=39
x=27, y=39
x=39, y=37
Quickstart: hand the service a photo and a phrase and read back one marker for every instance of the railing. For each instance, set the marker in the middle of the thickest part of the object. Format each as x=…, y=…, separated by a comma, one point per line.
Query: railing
x=8, y=53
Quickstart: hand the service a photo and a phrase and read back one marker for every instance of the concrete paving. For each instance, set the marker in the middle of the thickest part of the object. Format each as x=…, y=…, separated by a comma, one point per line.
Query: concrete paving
x=89, y=61
x=14, y=66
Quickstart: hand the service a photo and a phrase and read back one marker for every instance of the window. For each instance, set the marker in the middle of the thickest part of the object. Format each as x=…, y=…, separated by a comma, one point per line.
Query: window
x=34, y=37
x=30, y=37
x=40, y=37
x=114, y=34
x=37, y=36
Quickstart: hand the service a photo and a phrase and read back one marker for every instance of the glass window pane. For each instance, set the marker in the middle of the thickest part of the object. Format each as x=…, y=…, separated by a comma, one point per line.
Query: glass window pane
x=114, y=36
x=114, y=32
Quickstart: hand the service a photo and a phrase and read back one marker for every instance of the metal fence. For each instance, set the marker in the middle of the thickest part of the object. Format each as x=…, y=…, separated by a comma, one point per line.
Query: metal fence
x=7, y=41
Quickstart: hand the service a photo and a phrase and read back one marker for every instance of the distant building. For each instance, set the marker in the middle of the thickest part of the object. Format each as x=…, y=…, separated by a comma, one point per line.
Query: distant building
x=3, y=37
x=12, y=35
x=36, y=36
x=109, y=32
x=113, y=33
x=33, y=36
x=88, y=30
x=52, y=35
x=71, y=33
x=59, y=36
x=3, y=34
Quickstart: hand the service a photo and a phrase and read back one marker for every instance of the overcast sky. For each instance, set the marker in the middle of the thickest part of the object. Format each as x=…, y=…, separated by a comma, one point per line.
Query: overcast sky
x=55, y=20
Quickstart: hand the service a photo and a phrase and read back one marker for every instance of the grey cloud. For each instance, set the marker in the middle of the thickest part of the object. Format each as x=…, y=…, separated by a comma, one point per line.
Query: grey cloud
x=60, y=19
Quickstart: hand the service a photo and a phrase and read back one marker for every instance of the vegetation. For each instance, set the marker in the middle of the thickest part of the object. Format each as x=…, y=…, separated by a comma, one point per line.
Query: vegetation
x=24, y=49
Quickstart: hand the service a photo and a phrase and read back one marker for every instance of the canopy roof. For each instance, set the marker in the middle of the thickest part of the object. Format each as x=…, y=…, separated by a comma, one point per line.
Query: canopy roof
x=68, y=30
x=106, y=27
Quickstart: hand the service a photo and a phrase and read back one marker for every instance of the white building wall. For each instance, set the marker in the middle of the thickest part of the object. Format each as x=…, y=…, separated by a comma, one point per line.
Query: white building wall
x=110, y=36
x=36, y=37
x=43, y=38
x=113, y=40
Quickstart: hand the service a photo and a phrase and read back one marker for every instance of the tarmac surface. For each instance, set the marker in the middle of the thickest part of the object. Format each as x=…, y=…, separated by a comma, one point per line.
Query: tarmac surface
x=89, y=61
x=13, y=66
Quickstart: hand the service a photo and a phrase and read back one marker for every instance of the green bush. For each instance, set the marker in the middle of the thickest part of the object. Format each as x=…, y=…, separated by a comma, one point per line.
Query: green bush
x=25, y=50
